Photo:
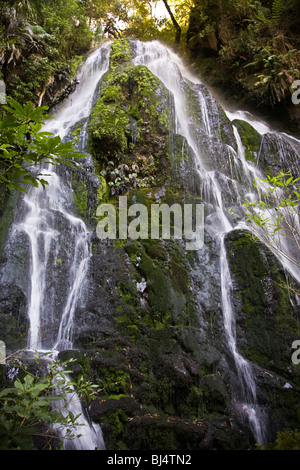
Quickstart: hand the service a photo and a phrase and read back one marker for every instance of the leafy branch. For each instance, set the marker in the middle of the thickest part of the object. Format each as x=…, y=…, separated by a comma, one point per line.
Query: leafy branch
x=24, y=146
x=278, y=210
x=35, y=402
x=276, y=216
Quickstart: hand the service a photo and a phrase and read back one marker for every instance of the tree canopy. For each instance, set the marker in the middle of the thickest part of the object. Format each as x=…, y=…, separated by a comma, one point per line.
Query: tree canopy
x=41, y=39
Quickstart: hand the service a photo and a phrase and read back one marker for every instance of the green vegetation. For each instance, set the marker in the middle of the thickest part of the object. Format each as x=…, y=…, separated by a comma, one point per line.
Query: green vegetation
x=286, y=440
x=248, y=49
x=34, y=404
x=42, y=41
x=265, y=322
x=277, y=213
x=23, y=145
x=128, y=126
x=39, y=40
x=80, y=197
x=251, y=139
x=151, y=334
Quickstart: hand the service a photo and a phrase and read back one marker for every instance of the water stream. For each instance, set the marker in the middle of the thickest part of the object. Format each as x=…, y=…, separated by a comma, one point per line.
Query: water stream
x=172, y=72
x=60, y=250
x=60, y=241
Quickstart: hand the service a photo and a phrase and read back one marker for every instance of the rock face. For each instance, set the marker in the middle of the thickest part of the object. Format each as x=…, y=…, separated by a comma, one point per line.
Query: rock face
x=151, y=328
x=129, y=125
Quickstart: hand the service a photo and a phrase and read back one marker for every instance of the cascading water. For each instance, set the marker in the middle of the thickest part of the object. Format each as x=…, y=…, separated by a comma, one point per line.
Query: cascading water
x=59, y=241
x=283, y=244
x=170, y=70
x=60, y=249
x=247, y=403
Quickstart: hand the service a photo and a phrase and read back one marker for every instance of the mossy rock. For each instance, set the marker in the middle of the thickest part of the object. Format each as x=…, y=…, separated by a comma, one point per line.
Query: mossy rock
x=266, y=320
x=129, y=124
x=251, y=139
x=8, y=203
x=175, y=434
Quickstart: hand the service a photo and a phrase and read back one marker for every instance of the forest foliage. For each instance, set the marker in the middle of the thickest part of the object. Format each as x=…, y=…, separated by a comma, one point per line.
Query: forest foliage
x=249, y=46
x=23, y=146
x=34, y=411
x=41, y=40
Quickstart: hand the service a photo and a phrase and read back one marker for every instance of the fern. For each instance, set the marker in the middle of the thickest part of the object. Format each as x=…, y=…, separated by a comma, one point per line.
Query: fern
x=278, y=8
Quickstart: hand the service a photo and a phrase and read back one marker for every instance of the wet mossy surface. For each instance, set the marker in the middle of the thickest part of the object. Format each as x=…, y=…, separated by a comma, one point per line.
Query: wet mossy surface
x=267, y=325
x=151, y=331
x=139, y=334
x=129, y=124
x=266, y=152
x=251, y=140
x=269, y=319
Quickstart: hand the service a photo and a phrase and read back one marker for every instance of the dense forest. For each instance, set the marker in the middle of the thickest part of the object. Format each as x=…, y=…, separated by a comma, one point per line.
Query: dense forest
x=166, y=349
x=249, y=50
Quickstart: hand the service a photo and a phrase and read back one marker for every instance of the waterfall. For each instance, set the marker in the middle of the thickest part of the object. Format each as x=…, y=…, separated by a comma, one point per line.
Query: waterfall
x=253, y=172
x=78, y=105
x=247, y=404
x=90, y=434
x=85, y=435
x=204, y=138
x=60, y=241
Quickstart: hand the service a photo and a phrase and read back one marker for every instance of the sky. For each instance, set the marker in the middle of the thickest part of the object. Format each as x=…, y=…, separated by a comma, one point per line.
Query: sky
x=160, y=10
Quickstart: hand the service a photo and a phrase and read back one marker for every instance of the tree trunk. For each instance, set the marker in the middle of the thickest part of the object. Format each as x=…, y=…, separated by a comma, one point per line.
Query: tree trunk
x=176, y=25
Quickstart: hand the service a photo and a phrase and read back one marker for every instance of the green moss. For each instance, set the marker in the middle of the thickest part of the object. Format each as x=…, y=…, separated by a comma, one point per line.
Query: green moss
x=7, y=216
x=129, y=124
x=257, y=356
x=76, y=130
x=75, y=64
x=111, y=94
x=76, y=134
x=248, y=265
x=114, y=381
x=214, y=397
x=103, y=190
x=167, y=304
x=286, y=440
x=80, y=197
x=193, y=106
x=251, y=139
x=108, y=123
x=147, y=266
x=132, y=248
x=120, y=53
x=266, y=319
x=180, y=276
x=155, y=250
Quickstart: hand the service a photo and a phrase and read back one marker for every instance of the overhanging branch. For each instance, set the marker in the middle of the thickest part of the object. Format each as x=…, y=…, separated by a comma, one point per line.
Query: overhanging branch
x=176, y=25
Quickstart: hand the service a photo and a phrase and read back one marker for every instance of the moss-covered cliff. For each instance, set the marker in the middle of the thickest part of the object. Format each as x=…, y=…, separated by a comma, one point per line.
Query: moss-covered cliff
x=152, y=332
x=162, y=376
x=150, y=329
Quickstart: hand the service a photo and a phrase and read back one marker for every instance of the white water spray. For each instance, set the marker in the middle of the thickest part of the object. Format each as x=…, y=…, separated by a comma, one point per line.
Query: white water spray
x=45, y=212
